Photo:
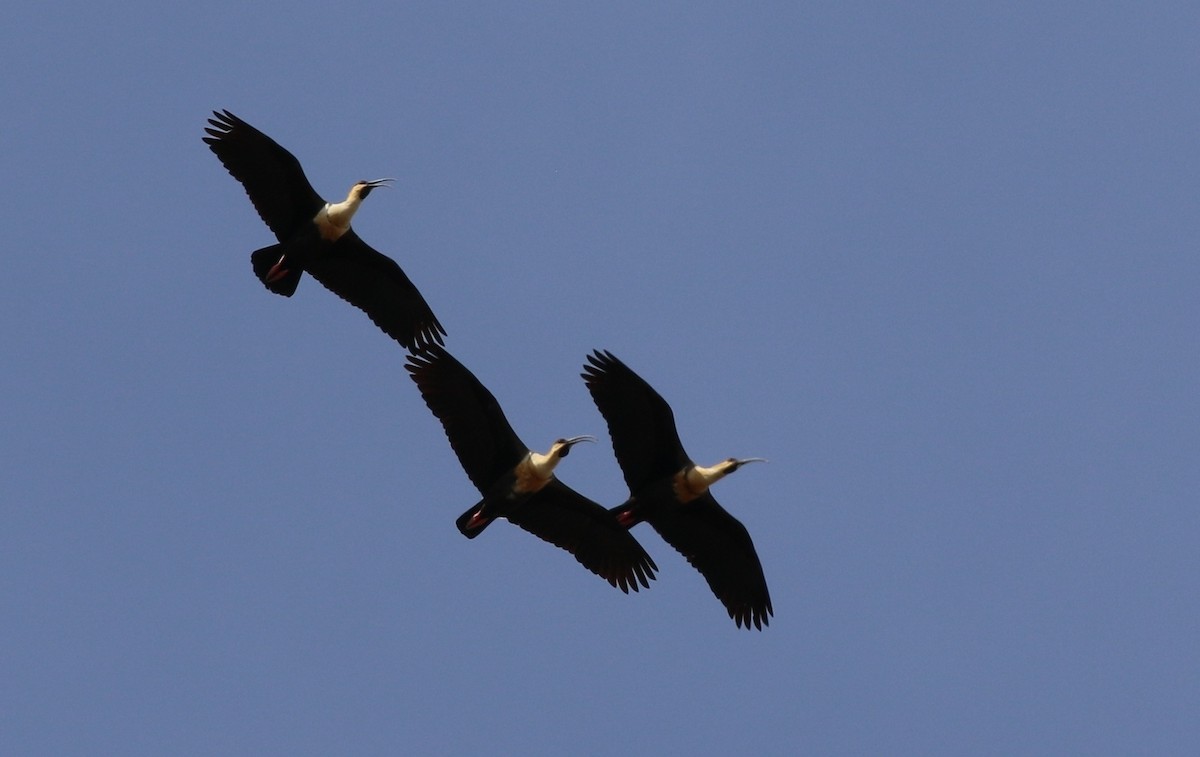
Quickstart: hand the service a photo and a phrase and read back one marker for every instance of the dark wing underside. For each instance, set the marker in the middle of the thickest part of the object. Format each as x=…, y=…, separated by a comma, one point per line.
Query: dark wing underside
x=560, y=515
x=479, y=433
x=271, y=175
x=718, y=545
x=375, y=284
x=640, y=421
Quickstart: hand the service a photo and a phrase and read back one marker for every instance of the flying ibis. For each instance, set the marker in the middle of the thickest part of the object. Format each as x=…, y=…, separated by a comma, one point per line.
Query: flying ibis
x=315, y=235
x=671, y=493
x=519, y=484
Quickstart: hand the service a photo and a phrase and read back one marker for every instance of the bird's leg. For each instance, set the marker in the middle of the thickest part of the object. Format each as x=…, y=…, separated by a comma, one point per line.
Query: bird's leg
x=277, y=271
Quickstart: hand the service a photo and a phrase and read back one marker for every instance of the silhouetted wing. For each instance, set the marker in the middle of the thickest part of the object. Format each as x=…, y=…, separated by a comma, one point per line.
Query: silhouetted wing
x=640, y=421
x=567, y=519
x=481, y=436
x=375, y=284
x=719, y=546
x=271, y=175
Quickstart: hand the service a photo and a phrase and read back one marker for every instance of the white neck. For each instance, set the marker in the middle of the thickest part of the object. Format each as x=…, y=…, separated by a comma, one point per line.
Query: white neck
x=333, y=220
x=700, y=478
x=534, y=472
x=542, y=466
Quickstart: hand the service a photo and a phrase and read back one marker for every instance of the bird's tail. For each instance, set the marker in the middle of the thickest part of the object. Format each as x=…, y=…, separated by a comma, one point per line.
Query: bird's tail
x=628, y=514
x=272, y=269
x=472, y=522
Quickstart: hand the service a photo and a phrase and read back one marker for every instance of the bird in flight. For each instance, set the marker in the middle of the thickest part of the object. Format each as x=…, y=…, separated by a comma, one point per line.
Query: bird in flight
x=315, y=236
x=671, y=493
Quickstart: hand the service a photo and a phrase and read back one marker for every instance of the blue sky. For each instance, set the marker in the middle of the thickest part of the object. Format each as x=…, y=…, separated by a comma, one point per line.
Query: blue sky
x=937, y=263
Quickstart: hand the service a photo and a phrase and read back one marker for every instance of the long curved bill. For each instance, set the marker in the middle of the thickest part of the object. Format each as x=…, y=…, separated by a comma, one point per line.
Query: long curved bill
x=568, y=443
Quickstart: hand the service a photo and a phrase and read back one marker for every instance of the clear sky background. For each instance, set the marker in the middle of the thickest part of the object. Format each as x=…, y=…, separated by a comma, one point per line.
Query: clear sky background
x=938, y=263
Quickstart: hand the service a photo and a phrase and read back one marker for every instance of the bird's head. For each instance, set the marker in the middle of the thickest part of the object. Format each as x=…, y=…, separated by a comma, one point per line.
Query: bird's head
x=562, y=447
x=730, y=464
x=543, y=466
x=363, y=188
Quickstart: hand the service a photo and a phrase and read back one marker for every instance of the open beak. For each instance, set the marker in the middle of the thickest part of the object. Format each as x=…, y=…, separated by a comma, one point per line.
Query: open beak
x=572, y=441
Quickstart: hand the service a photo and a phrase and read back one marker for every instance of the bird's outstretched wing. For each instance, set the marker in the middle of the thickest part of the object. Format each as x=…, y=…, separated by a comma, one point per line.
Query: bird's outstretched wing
x=271, y=175
x=479, y=433
x=567, y=519
x=640, y=421
x=375, y=284
x=719, y=546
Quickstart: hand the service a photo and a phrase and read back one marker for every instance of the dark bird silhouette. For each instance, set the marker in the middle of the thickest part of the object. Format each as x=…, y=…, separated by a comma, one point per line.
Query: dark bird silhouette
x=315, y=235
x=517, y=483
x=670, y=492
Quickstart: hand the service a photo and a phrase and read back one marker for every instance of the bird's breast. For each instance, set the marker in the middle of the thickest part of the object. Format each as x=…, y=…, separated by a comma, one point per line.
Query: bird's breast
x=527, y=479
x=330, y=224
x=684, y=489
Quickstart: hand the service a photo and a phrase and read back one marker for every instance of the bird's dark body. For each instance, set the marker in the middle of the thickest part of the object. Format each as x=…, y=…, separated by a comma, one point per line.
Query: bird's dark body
x=344, y=264
x=501, y=500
